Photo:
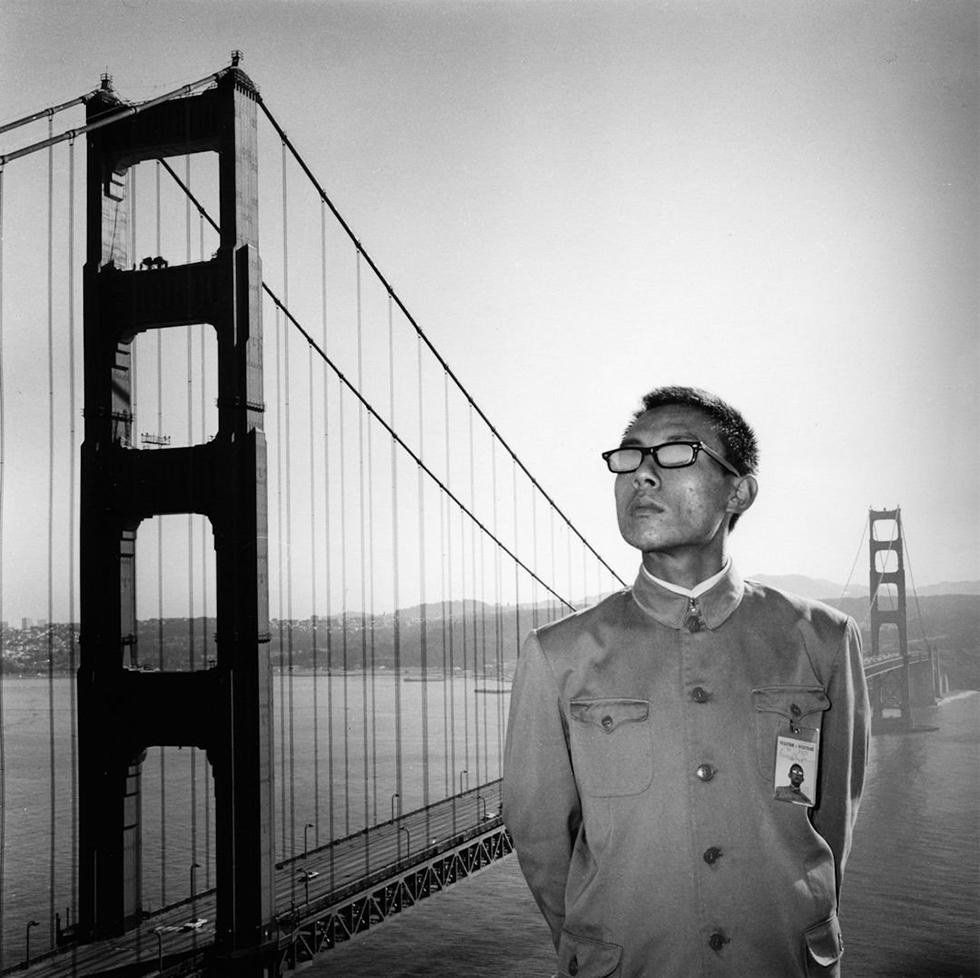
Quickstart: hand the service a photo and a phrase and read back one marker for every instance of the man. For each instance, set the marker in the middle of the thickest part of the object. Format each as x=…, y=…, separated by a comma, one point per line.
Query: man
x=639, y=775
x=794, y=790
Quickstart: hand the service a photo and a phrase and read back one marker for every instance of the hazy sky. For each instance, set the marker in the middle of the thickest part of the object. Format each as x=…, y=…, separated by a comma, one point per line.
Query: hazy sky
x=582, y=200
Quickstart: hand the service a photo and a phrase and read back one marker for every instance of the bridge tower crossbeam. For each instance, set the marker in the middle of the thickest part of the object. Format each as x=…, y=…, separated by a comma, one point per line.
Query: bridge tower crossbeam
x=225, y=710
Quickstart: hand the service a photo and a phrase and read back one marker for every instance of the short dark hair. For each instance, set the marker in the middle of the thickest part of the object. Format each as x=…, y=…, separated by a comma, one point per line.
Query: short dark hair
x=734, y=432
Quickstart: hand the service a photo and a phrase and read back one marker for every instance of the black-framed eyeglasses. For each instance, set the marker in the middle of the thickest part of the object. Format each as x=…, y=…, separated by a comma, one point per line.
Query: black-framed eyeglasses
x=670, y=455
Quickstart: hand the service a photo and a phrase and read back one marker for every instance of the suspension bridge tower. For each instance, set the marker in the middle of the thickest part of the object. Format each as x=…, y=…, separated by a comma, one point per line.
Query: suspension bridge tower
x=225, y=709
x=887, y=583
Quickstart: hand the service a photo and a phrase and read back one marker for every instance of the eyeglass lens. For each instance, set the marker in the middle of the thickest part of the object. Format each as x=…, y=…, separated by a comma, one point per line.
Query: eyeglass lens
x=671, y=455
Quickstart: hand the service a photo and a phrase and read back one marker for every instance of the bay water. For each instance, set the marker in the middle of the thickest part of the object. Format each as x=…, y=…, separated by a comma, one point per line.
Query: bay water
x=911, y=897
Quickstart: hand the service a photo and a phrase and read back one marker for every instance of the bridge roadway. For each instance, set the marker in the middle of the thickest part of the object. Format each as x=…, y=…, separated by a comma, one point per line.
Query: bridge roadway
x=325, y=875
x=891, y=661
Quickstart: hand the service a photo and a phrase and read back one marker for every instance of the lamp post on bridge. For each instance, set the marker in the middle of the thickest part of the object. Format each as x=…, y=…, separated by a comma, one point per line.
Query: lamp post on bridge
x=461, y=773
x=480, y=798
x=27, y=951
x=408, y=841
x=393, y=797
x=194, y=867
x=306, y=839
x=158, y=931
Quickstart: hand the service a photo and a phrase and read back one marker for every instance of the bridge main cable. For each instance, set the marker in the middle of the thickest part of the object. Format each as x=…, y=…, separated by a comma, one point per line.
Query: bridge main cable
x=49, y=111
x=418, y=329
x=391, y=431
x=71, y=134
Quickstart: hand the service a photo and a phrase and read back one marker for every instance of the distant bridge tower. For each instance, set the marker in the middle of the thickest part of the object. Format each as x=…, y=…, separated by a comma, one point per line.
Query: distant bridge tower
x=887, y=607
x=225, y=710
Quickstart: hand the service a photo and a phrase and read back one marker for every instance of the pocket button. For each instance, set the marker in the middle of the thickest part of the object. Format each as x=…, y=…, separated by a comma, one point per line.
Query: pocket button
x=712, y=855
x=705, y=772
x=607, y=723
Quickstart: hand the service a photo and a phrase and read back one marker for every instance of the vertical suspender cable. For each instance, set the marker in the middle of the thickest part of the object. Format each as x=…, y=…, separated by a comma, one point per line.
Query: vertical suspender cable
x=498, y=652
x=476, y=647
x=366, y=762
x=534, y=559
x=372, y=636
x=465, y=631
x=191, y=637
x=313, y=601
x=50, y=607
x=160, y=658
x=396, y=624
x=72, y=458
x=289, y=526
x=481, y=672
x=3, y=462
x=585, y=579
x=314, y=582
x=328, y=550
x=370, y=606
x=423, y=618
x=568, y=557
x=343, y=609
x=444, y=645
x=517, y=569
x=445, y=565
x=553, y=605
x=286, y=850
x=279, y=593
x=133, y=438
x=202, y=333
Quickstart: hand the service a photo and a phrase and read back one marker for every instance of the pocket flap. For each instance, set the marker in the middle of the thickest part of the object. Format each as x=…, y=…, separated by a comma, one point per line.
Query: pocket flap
x=579, y=956
x=609, y=714
x=825, y=942
x=792, y=702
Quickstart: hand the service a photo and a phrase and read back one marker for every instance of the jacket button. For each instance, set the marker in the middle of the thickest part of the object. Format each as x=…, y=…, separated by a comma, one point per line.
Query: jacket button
x=705, y=772
x=795, y=710
x=573, y=966
x=607, y=723
x=712, y=855
x=717, y=941
x=700, y=695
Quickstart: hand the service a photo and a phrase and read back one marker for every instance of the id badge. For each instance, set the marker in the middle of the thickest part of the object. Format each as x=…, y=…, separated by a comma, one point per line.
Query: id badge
x=795, y=775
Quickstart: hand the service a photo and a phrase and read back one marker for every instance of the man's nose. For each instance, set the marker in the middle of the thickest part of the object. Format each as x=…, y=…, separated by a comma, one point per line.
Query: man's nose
x=646, y=474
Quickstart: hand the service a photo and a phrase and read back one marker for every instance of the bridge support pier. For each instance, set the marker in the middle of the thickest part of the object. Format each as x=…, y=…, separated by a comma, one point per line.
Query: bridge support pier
x=225, y=710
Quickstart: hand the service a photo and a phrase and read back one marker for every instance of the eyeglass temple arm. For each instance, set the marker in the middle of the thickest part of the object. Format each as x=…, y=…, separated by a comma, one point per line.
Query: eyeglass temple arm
x=721, y=461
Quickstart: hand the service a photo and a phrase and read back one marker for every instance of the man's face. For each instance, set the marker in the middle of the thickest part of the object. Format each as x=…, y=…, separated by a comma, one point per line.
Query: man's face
x=673, y=510
x=796, y=775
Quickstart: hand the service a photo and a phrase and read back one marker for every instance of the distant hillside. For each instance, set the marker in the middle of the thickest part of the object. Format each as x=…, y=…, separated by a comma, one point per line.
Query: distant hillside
x=956, y=587
x=469, y=635
x=808, y=587
x=823, y=590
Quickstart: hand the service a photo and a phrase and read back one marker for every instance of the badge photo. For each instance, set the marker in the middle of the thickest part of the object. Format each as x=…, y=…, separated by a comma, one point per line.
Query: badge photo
x=795, y=771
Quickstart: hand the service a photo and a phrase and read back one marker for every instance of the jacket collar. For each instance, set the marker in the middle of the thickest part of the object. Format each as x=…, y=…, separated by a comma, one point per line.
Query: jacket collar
x=674, y=610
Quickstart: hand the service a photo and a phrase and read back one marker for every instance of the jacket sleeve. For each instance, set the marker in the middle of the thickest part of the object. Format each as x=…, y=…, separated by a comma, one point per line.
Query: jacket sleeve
x=844, y=749
x=540, y=799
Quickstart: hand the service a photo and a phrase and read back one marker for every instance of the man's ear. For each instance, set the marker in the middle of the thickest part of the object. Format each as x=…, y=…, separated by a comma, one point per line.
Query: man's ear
x=743, y=494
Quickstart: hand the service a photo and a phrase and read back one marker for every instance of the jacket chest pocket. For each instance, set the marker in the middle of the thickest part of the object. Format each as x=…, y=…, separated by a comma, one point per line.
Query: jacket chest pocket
x=777, y=710
x=611, y=746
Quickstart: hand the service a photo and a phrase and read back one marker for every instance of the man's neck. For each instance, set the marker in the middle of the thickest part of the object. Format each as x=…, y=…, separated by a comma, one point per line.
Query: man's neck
x=685, y=571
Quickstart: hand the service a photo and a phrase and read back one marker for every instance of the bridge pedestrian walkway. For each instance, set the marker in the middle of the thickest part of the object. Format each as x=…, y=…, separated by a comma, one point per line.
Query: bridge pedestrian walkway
x=178, y=939
x=488, y=928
